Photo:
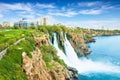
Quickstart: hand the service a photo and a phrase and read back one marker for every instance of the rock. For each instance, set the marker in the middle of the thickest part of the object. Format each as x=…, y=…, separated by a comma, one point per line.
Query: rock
x=75, y=76
x=35, y=67
x=41, y=40
x=73, y=72
x=86, y=51
x=59, y=72
x=91, y=40
x=78, y=43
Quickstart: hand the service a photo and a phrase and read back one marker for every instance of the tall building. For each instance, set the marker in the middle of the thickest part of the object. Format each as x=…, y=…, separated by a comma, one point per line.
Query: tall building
x=44, y=21
x=5, y=24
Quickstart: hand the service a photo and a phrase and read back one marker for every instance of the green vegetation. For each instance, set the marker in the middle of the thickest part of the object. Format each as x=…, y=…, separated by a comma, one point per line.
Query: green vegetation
x=10, y=64
x=89, y=33
x=8, y=37
x=49, y=54
x=55, y=29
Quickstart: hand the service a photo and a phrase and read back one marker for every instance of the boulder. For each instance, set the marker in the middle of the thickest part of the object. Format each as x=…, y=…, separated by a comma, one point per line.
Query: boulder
x=73, y=72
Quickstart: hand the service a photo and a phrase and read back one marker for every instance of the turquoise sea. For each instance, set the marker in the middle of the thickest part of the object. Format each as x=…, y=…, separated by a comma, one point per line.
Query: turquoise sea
x=104, y=60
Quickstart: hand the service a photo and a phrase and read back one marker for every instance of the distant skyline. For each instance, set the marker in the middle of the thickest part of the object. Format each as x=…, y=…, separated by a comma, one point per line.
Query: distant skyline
x=78, y=13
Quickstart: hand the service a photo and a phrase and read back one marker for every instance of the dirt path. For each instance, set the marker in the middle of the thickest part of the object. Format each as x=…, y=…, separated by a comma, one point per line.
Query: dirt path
x=5, y=50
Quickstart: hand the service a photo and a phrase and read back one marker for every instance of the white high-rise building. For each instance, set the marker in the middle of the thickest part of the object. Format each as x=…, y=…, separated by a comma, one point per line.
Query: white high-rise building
x=42, y=21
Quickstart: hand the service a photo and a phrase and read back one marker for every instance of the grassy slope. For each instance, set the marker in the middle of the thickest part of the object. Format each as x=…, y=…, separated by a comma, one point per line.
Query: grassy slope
x=8, y=37
x=10, y=64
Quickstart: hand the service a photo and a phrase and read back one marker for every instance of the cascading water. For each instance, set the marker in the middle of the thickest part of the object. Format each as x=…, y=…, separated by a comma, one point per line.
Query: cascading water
x=71, y=55
x=60, y=52
x=83, y=65
x=50, y=41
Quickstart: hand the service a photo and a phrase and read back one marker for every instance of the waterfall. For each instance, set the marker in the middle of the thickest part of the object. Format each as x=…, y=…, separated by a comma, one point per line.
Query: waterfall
x=83, y=65
x=60, y=52
x=70, y=53
x=50, y=41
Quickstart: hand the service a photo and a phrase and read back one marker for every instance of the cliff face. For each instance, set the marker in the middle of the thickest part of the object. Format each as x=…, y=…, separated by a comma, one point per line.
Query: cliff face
x=44, y=40
x=59, y=72
x=35, y=67
x=78, y=42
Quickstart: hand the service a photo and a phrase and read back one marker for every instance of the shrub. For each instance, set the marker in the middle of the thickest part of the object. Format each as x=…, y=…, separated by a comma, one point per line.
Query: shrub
x=49, y=53
x=15, y=27
x=43, y=29
x=48, y=49
x=47, y=57
x=31, y=27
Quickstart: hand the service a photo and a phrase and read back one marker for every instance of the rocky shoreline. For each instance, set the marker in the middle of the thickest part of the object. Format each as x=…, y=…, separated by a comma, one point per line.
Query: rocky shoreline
x=79, y=44
x=90, y=40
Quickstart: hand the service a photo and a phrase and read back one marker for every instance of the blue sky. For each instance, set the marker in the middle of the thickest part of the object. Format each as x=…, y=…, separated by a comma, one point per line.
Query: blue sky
x=82, y=13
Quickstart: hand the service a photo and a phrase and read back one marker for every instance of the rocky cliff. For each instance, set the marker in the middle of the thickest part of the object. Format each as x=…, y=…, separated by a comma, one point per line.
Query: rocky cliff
x=78, y=42
x=36, y=69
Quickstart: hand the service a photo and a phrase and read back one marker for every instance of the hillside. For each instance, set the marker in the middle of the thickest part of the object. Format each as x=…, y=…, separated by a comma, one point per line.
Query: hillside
x=28, y=54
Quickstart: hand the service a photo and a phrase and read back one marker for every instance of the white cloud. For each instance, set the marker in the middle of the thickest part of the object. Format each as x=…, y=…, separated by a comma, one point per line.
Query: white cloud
x=64, y=14
x=15, y=6
x=24, y=7
x=91, y=11
x=108, y=7
x=49, y=9
x=73, y=11
x=44, y=5
x=89, y=4
x=1, y=15
x=69, y=13
x=27, y=10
